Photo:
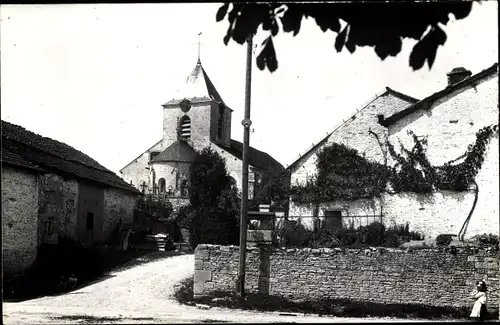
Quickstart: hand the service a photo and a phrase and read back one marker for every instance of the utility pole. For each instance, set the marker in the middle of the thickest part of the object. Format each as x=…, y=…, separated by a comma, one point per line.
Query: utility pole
x=240, y=286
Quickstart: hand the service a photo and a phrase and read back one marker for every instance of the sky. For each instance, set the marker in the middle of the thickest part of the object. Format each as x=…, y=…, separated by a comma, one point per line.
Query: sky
x=94, y=76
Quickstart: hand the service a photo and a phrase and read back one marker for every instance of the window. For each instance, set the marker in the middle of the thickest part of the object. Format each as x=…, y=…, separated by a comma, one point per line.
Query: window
x=153, y=154
x=161, y=185
x=185, y=127
x=90, y=220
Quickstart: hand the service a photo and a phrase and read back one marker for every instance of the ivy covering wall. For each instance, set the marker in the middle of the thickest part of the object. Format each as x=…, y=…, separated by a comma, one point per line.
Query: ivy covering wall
x=344, y=174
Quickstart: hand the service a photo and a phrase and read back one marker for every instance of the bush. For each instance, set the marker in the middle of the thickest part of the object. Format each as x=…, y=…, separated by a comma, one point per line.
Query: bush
x=444, y=239
x=294, y=234
x=375, y=234
x=210, y=225
x=486, y=240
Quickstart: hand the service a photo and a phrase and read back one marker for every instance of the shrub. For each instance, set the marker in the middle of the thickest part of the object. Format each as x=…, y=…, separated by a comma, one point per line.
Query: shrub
x=444, y=239
x=486, y=240
x=374, y=234
x=294, y=234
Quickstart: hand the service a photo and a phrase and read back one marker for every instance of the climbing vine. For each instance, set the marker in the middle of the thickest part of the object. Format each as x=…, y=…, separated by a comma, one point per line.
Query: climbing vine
x=344, y=174
x=414, y=173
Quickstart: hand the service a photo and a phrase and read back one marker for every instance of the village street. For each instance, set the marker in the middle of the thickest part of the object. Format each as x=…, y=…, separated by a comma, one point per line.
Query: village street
x=140, y=294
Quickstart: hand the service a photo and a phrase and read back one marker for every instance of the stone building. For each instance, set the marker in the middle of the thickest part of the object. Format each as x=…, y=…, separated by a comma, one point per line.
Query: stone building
x=449, y=120
x=353, y=132
x=51, y=189
x=195, y=119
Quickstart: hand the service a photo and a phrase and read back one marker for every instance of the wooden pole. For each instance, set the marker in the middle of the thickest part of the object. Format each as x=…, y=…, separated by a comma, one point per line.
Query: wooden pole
x=240, y=286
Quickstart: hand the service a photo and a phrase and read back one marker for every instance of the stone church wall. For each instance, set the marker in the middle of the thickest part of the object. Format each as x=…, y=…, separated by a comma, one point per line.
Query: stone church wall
x=136, y=171
x=433, y=277
x=19, y=219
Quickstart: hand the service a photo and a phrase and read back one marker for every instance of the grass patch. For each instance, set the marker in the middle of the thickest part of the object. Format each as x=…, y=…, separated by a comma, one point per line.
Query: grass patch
x=331, y=307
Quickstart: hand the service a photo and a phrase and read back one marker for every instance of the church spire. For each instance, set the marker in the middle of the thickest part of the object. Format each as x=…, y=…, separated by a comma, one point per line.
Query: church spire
x=199, y=45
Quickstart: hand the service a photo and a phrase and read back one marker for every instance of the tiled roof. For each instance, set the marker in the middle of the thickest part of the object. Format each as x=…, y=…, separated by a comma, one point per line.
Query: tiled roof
x=427, y=102
x=257, y=158
x=11, y=158
x=52, y=155
x=197, y=88
x=179, y=151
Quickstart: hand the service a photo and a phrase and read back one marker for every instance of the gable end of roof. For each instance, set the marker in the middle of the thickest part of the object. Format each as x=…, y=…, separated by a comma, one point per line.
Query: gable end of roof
x=427, y=102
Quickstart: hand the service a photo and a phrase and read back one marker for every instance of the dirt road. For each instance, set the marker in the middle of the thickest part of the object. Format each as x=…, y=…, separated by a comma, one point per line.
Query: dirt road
x=140, y=294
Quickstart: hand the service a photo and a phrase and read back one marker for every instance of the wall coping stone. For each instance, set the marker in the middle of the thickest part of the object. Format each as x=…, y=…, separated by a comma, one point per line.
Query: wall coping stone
x=484, y=251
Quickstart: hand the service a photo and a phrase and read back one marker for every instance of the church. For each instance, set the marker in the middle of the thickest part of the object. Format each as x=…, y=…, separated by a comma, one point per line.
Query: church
x=197, y=118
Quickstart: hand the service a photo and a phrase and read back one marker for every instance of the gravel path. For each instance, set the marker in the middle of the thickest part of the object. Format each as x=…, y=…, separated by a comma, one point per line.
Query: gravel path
x=140, y=294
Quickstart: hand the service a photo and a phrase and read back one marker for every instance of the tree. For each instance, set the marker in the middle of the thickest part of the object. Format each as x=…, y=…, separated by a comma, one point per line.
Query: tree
x=274, y=188
x=382, y=26
x=213, y=212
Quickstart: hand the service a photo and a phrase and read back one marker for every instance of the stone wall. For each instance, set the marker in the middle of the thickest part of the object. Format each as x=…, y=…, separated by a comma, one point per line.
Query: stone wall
x=70, y=208
x=19, y=219
x=50, y=207
x=118, y=205
x=442, y=212
x=136, y=171
x=438, y=277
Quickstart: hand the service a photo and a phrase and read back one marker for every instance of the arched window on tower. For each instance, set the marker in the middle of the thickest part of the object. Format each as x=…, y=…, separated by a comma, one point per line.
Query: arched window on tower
x=161, y=185
x=185, y=127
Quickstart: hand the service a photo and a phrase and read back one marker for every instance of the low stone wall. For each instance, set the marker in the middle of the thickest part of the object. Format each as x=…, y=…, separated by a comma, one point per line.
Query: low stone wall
x=436, y=277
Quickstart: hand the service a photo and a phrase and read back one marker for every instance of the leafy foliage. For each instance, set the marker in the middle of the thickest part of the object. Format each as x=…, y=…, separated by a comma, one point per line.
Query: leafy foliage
x=294, y=234
x=414, y=173
x=274, y=188
x=374, y=234
x=486, y=240
x=212, y=216
x=344, y=174
x=444, y=239
x=382, y=26
x=149, y=208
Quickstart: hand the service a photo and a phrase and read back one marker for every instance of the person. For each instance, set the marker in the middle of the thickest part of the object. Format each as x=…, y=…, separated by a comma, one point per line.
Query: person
x=479, y=294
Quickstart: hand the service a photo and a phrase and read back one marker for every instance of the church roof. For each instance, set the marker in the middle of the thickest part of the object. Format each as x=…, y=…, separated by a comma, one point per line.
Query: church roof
x=179, y=151
x=257, y=158
x=197, y=88
x=23, y=147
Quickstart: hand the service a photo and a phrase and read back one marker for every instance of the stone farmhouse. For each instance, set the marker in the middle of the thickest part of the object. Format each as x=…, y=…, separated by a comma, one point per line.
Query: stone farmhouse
x=449, y=120
x=195, y=119
x=50, y=189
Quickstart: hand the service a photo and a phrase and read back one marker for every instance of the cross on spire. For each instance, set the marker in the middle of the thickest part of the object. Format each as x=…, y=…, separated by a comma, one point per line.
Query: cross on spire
x=199, y=45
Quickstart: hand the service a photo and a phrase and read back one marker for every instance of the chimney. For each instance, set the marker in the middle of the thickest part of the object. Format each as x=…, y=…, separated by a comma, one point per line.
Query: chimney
x=457, y=75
